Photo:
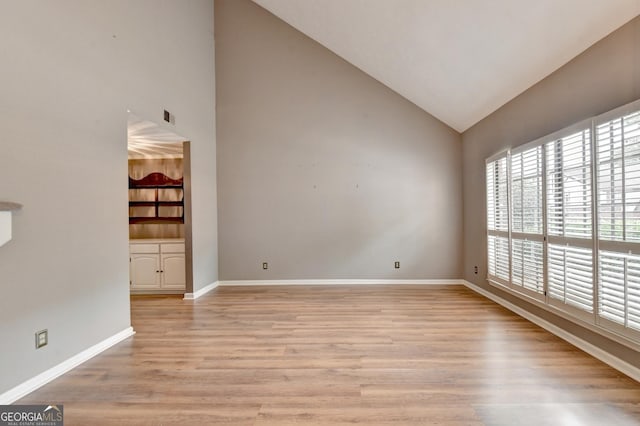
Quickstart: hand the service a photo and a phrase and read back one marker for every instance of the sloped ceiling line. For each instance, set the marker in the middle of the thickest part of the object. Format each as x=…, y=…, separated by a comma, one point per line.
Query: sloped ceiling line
x=459, y=60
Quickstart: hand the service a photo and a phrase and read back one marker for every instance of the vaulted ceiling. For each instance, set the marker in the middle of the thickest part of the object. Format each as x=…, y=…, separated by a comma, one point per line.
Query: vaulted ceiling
x=459, y=60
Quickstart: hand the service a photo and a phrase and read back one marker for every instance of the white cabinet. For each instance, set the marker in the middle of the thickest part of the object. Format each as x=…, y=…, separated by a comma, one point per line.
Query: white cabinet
x=145, y=271
x=173, y=271
x=157, y=266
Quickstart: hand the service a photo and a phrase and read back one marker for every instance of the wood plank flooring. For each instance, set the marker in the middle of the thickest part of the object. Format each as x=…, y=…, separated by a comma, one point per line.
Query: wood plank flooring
x=405, y=355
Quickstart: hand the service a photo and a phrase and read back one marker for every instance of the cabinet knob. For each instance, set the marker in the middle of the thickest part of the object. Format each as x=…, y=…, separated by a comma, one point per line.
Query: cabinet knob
x=157, y=271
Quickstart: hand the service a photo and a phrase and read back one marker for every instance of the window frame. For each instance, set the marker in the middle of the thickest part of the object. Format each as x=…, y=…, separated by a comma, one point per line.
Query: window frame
x=526, y=236
x=604, y=245
x=569, y=241
x=494, y=232
x=591, y=320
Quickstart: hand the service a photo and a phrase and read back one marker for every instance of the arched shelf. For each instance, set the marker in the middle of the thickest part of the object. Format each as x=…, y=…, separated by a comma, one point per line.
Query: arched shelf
x=151, y=191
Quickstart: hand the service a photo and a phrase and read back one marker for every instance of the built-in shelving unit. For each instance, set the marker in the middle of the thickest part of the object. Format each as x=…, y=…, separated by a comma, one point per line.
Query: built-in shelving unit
x=156, y=198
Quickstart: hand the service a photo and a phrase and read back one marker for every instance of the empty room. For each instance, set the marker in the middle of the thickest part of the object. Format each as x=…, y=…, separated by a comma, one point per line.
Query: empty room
x=273, y=212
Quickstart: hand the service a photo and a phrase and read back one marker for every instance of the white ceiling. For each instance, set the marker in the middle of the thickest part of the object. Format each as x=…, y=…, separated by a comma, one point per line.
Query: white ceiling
x=147, y=139
x=459, y=60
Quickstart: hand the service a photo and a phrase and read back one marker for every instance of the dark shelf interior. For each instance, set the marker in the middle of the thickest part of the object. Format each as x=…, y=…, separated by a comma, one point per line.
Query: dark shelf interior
x=153, y=203
x=156, y=182
x=155, y=220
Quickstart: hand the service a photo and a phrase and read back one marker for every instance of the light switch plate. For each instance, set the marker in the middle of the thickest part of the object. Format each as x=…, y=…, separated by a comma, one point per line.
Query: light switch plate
x=42, y=338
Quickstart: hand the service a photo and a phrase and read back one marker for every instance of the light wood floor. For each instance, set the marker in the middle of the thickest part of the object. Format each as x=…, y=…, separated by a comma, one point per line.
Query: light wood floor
x=340, y=355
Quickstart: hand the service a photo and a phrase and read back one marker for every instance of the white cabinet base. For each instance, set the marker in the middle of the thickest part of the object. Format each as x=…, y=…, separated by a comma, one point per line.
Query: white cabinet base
x=157, y=267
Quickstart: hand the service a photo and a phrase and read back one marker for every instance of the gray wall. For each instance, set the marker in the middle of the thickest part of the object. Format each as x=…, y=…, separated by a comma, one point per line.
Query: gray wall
x=604, y=77
x=70, y=69
x=324, y=172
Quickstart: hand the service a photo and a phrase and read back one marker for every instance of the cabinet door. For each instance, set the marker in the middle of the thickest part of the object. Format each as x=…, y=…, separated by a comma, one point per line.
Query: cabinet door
x=145, y=271
x=173, y=271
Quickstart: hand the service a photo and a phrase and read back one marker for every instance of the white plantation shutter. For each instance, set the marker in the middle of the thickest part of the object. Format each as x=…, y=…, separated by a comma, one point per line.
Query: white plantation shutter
x=569, y=186
x=526, y=184
x=612, y=286
x=633, y=292
x=497, y=193
x=526, y=220
x=618, y=145
x=527, y=265
x=563, y=220
x=498, y=219
x=618, y=171
x=498, y=256
x=619, y=291
x=571, y=276
x=569, y=221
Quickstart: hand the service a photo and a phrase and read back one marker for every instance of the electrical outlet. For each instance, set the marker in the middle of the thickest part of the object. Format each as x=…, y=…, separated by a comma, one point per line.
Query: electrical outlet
x=475, y=269
x=42, y=338
x=265, y=265
x=397, y=265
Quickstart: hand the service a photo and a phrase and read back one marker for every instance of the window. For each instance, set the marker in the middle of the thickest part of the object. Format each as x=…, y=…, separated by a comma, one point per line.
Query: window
x=527, y=257
x=620, y=288
x=618, y=143
x=618, y=150
x=498, y=219
x=569, y=186
x=569, y=221
x=563, y=220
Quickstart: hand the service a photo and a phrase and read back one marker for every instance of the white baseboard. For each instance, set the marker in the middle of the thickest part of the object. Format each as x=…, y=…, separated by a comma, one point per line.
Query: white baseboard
x=339, y=282
x=42, y=379
x=154, y=292
x=596, y=352
x=204, y=290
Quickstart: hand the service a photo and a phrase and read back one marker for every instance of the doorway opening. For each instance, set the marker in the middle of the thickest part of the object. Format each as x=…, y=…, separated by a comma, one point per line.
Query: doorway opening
x=159, y=209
